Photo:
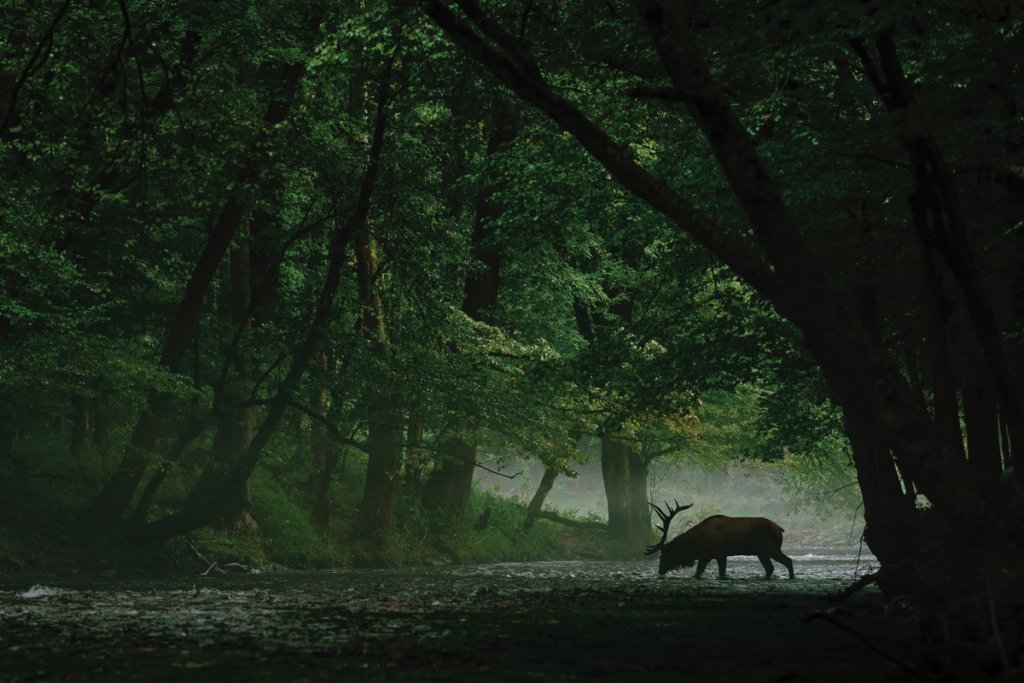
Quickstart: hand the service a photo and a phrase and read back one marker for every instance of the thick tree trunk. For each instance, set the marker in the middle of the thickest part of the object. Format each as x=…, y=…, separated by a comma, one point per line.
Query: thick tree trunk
x=615, y=457
x=448, y=487
x=385, y=439
x=235, y=424
x=888, y=513
x=383, y=469
x=639, y=508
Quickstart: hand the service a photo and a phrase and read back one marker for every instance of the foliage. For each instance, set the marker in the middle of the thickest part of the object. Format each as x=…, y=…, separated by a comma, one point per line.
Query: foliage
x=120, y=161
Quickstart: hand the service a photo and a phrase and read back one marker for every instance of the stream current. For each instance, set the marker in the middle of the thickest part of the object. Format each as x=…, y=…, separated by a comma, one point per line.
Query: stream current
x=512, y=621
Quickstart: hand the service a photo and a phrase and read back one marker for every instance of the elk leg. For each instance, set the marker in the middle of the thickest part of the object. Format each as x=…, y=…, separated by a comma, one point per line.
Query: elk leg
x=721, y=567
x=701, y=564
x=788, y=563
x=768, y=566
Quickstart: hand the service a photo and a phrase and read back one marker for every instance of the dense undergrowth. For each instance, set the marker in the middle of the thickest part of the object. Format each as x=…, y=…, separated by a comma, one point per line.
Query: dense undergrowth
x=46, y=529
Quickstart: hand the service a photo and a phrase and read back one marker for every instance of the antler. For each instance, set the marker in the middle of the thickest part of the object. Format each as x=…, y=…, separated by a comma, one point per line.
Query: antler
x=666, y=516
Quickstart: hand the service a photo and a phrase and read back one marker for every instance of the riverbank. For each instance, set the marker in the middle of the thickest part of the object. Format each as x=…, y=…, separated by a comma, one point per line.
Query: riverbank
x=40, y=543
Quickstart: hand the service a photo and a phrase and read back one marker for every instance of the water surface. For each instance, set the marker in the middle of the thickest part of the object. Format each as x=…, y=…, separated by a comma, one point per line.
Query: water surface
x=543, y=620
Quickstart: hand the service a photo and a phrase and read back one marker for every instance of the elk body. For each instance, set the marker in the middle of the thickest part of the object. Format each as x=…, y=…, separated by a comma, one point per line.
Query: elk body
x=716, y=538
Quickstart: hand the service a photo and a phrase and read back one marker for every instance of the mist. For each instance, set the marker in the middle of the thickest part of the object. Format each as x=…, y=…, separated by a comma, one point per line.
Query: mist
x=812, y=517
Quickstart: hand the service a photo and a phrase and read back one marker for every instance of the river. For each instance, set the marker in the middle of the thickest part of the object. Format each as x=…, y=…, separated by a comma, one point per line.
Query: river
x=522, y=621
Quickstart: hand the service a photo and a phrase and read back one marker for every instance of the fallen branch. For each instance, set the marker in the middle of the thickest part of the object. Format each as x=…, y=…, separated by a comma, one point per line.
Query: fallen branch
x=864, y=639
x=575, y=523
x=857, y=586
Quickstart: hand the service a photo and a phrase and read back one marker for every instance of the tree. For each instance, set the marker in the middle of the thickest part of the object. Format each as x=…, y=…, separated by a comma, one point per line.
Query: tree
x=450, y=483
x=899, y=394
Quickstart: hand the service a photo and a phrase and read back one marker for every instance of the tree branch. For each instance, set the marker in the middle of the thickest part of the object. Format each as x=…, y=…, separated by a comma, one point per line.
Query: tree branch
x=519, y=73
x=46, y=39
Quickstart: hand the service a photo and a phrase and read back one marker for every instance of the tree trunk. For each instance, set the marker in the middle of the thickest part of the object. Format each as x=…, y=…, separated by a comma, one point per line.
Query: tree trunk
x=205, y=498
x=981, y=418
x=414, y=456
x=448, y=487
x=117, y=493
x=640, y=510
x=888, y=514
x=325, y=454
x=385, y=439
x=383, y=469
x=322, y=491
x=537, y=502
x=235, y=424
x=615, y=457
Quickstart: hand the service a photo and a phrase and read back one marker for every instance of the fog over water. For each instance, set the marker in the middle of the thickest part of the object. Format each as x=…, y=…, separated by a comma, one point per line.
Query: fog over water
x=813, y=516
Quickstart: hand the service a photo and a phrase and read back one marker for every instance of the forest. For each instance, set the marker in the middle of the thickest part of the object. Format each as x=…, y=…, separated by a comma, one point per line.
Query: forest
x=281, y=281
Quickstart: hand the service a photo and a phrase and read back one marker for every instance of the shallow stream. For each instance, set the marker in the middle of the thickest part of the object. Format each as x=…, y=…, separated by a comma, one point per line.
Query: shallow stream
x=540, y=620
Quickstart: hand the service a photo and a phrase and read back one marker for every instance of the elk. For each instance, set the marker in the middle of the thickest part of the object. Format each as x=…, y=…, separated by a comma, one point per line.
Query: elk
x=716, y=538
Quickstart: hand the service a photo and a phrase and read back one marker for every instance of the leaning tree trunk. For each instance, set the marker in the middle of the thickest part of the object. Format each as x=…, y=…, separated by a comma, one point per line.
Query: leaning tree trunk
x=235, y=423
x=117, y=493
x=210, y=490
x=537, y=502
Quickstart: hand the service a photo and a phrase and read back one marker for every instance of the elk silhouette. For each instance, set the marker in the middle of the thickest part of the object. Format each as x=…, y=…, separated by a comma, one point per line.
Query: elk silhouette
x=716, y=538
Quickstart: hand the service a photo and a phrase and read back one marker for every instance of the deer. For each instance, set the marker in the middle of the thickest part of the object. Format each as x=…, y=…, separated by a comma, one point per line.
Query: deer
x=716, y=538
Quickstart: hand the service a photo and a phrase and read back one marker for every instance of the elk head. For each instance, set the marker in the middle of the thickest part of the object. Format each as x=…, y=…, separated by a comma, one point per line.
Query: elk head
x=672, y=554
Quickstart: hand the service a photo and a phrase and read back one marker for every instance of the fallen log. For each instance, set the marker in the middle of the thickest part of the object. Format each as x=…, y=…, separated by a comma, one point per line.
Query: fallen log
x=575, y=523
